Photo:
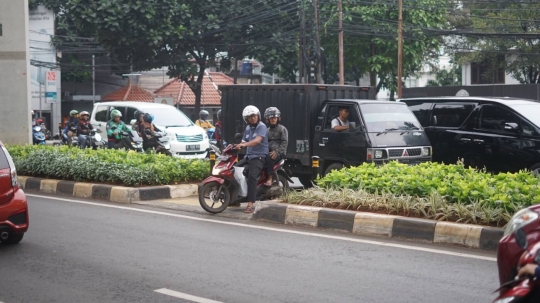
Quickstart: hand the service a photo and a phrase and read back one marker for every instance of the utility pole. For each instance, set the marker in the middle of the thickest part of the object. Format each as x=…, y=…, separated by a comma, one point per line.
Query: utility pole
x=93, y=80
x=318, y=42
x=400, y=49
x=340, y=39
x=301, y=45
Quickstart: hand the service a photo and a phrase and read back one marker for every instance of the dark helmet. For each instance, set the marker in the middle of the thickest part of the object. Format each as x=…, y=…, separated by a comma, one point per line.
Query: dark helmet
x=148, y=118
x=203, y=114
x=138, y=114
x=219, y=114
x=272, y=112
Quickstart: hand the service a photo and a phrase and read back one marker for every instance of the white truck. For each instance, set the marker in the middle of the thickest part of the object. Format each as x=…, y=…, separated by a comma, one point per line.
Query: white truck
x=187, y=139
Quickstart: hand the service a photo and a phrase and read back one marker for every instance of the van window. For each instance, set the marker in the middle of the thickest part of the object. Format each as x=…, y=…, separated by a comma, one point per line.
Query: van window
x=121, y=109
x=4, y=162
x=451, y=115
x=101, y=113
x=333, y=112
x=494, y=118
x=130, y=114
x=421, y=111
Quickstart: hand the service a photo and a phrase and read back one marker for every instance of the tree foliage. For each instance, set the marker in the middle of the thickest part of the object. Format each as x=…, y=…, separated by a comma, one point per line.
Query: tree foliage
x=507, y=29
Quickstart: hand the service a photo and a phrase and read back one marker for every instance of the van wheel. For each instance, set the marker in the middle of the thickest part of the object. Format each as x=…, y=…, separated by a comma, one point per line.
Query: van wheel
x=12, y=239
x=333, y=166
x=535, y=169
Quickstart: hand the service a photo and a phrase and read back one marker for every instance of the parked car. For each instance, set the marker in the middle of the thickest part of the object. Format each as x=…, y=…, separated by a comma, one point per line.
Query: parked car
x=500, y=134
x=13, y=206
x=380, y=131
x=187, y=140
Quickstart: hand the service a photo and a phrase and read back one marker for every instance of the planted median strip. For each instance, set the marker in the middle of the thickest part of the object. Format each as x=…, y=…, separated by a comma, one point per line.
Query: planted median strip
x=429, y=190
x=108, y=166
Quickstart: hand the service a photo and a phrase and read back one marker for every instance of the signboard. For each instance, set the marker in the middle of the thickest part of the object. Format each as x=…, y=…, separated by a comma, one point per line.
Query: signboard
x=50, y=88
x=164, y=100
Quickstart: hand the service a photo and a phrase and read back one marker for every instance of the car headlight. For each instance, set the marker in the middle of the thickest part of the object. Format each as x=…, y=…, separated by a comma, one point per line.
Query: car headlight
x=505, y=300
x=426, y=151
x=520, y=219
x=205, y=136
x=378, y=154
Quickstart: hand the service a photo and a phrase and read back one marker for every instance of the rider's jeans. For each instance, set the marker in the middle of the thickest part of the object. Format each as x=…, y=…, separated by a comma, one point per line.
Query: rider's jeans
x=82, y=140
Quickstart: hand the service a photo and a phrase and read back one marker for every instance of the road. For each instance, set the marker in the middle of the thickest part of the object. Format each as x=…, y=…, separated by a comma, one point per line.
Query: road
x=84, y=251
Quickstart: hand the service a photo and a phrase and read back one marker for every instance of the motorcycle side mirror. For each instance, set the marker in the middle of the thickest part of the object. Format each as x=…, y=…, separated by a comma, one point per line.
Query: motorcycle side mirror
x=238, y=136
x=521, y=238
x=132, y=121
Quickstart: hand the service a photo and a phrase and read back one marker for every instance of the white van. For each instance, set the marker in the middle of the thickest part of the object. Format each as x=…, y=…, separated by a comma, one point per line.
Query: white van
x=187, y=139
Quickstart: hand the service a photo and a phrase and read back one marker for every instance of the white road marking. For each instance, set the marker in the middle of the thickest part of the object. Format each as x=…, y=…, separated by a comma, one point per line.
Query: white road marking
x=303, y=233
x=184, y=296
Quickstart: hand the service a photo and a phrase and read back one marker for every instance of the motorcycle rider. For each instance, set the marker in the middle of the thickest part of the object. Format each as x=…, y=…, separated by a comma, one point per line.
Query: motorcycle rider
x=83, y=128
x=256, y=140
x=115, y=127
x=137, y=126
x=217, y=132
x=278, y=139
x=202, y=122
x=71, y=125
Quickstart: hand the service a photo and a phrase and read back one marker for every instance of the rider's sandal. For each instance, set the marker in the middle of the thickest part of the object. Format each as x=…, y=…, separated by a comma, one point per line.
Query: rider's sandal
x=249, y=210
x=268, y=184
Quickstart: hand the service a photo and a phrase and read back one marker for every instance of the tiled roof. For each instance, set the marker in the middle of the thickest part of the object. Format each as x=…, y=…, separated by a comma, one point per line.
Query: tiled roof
x=130, y=93
x=182, y=94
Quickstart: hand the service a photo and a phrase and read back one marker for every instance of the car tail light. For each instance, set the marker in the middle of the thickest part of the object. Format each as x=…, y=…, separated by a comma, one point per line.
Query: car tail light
x=14, y=180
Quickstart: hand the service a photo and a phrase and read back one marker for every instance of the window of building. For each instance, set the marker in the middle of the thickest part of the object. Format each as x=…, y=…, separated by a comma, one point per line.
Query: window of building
x=485, y=73
x=451, y=115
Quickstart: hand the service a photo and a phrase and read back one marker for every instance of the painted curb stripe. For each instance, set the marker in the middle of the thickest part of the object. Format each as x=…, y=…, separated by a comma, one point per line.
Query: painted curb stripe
x=336, y=219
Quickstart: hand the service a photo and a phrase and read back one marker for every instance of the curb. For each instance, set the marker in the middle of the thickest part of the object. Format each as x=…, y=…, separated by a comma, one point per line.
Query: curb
x=117, y=194
x=466, y=235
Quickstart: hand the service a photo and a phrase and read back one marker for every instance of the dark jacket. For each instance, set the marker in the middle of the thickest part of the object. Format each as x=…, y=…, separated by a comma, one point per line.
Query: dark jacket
x=84, y=127
x=278, y=139
x=72, y=123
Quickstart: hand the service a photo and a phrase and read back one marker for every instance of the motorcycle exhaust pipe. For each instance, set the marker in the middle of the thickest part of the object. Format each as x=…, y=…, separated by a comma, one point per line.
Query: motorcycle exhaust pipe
x=4, y=235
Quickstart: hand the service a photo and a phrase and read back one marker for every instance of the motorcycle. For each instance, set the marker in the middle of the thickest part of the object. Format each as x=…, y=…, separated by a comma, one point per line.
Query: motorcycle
x=38, y=137
x=160, y=141
x=132, y=141
x=94, y=140
x=227, y=185
x=524, y=289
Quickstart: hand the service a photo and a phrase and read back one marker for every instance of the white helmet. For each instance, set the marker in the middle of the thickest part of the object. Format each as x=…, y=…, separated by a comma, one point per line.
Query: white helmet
x=249, y=111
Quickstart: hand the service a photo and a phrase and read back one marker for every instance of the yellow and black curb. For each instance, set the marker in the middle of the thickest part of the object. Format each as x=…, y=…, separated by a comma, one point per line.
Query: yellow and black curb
x=467, y=235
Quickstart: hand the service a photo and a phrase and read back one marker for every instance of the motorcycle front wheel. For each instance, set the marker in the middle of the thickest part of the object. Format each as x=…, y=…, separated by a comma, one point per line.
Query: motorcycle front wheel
x=214, y=197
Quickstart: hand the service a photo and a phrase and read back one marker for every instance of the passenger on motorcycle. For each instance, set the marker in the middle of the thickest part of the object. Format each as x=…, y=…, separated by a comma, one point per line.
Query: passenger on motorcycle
x=71, y=125
x=256, y=140
x=278, y=139
x=202, y=122
x=137, y=126
x=148, y=139
x=83, y=128
x=115, y=127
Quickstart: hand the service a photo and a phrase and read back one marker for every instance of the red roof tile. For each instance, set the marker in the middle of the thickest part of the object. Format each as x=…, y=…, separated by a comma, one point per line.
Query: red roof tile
x=130, y=93
x=183, y=95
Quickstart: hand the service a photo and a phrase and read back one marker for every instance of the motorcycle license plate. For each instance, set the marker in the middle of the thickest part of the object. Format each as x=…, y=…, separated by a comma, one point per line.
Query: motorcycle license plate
x=193, y=147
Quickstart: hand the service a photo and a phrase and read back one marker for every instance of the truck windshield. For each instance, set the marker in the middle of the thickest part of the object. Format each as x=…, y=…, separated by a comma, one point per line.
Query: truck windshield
x=169, y=117
x=386, y=117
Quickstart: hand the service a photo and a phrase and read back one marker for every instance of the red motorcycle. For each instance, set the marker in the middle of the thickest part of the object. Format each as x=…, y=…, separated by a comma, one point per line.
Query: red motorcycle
x=222, y=189
x=519, y=246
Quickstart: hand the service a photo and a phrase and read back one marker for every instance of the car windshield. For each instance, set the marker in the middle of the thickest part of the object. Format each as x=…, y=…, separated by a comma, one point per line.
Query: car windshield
x=168, y=117
x=530, y=111
x=386, y=117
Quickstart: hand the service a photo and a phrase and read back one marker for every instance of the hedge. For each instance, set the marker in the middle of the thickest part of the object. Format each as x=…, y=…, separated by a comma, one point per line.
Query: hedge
x=455, y=183
x=105, y=166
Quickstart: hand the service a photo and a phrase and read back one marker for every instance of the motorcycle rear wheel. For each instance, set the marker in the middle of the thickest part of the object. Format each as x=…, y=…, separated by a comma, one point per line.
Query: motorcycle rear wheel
x=214, y=197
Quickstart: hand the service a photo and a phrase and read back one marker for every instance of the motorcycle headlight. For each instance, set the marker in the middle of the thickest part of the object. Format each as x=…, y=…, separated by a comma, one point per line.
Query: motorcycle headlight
x=217, y=170
x=505, y=300
x=98, y=137
x=520, y=219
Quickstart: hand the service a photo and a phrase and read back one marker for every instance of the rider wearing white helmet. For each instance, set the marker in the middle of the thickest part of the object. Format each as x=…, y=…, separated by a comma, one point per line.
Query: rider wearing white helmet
x=256, y=140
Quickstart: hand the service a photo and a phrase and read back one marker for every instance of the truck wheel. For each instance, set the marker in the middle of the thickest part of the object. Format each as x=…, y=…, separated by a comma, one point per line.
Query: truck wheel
x=333, y=166
x=12, y=239
x=306, y=182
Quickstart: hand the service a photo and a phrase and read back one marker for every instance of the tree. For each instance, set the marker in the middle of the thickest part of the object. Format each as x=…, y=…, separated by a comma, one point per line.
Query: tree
x=186, y=36
x=370, y=34
x=502, y=35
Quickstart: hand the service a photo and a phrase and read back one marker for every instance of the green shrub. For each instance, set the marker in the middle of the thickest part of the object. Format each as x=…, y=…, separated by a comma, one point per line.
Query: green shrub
x=105, y=165
x=454, y=182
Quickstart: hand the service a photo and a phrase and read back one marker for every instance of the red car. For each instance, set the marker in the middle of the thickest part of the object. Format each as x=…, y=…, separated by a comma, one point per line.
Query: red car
x=13, y=205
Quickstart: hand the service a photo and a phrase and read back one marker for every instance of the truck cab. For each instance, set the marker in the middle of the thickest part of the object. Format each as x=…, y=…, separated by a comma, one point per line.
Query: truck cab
x=378, y=132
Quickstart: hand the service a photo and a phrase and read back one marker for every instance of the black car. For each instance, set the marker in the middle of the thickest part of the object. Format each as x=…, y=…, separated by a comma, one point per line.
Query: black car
x=500, y=134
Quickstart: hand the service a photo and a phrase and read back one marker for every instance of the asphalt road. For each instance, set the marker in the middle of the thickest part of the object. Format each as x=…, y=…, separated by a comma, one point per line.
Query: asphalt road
x=91, y=253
